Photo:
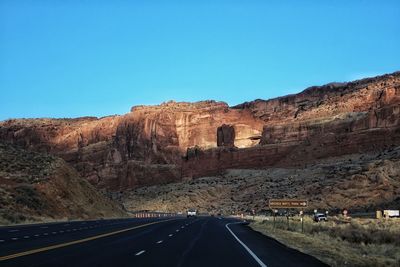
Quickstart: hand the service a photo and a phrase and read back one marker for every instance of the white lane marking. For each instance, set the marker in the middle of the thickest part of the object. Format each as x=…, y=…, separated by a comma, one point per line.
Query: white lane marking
x=37, y=235
x=27, y=236
x=246, y=247
x=182, y=227
x=177, y=230
x=73, y=229
x=54, y=233
x=13, y=231
x=187, y=224
x=61, y=232
x=1, y=240
x=170, y=235
x=159, y=242
x=140, y=252
x=45, y=233
x=14, y=238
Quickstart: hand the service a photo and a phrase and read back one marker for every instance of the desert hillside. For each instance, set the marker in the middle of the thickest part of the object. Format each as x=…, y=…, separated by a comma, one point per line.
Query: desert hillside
x=41, y=187
x=360, y=182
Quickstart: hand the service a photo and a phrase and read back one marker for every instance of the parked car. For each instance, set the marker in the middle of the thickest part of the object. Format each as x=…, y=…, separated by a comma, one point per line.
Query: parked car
x=318, y=217
x=191, y=213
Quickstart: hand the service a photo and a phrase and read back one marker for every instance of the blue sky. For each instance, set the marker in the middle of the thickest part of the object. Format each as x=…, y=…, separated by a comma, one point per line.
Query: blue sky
x=79, y=58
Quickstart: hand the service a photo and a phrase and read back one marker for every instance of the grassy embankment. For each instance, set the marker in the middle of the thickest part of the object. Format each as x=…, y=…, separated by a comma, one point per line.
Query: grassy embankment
x=339, y=242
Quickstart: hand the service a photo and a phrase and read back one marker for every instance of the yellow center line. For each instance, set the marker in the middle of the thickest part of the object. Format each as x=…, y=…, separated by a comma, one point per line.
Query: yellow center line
x=33, y=251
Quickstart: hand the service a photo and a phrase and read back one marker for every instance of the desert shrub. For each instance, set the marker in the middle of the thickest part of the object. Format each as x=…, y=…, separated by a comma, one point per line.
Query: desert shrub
x=356, y=233
x=12, y=217
x=318, y=228
x=28, y=196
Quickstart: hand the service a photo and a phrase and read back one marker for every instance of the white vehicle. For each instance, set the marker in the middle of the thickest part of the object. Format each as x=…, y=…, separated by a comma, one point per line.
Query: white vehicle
x=391, y=213
x=319, y=217
x=191, y=213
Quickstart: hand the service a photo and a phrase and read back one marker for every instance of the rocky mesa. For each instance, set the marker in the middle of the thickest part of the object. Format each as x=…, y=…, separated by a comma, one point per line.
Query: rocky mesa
x=144, y=147
x=178, y=141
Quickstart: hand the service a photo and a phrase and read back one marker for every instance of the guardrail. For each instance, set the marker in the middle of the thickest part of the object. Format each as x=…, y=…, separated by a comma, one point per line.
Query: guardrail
x=153, y=214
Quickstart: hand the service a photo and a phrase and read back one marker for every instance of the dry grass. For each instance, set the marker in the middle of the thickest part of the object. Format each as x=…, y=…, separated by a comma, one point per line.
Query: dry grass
x=356, y=242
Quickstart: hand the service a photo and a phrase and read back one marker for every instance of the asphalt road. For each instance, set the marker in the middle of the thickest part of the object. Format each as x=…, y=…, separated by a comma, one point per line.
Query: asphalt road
x=202, y=241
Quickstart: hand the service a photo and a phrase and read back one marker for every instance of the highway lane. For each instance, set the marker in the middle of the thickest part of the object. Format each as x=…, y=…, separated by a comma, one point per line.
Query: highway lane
x=202, y=241
x=14, y=239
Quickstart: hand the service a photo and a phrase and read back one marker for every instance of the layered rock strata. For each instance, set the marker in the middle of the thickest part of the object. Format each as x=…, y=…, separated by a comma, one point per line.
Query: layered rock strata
x=178, y=141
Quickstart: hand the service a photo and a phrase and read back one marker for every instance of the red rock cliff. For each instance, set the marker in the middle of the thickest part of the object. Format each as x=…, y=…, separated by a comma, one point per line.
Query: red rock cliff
x=143, y=147
x=169, y=142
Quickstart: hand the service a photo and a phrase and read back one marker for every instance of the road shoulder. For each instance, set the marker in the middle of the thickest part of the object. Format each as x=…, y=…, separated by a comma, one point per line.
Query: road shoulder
x=272, y=252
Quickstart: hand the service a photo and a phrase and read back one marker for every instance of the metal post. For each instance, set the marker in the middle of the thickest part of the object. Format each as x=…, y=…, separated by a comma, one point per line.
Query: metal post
x=302, y=221
x=287, y=217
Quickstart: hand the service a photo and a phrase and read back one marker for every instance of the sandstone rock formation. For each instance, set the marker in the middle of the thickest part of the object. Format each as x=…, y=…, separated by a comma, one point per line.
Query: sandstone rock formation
x=179, y=141
x=141, y=148
x=226, y=136
x=320, y=122
x=329, y=100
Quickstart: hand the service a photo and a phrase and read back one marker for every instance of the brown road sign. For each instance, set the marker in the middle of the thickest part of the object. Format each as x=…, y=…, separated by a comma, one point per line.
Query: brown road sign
x=287, y=203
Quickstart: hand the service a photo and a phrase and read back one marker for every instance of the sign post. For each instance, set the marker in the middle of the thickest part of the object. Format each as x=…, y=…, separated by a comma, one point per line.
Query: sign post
x=288, y=204
x=302, y=221
x=287, y=218
x=345, y=212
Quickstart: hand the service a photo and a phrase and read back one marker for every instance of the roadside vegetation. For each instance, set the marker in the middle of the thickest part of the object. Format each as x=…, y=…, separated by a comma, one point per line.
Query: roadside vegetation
x=339, y=241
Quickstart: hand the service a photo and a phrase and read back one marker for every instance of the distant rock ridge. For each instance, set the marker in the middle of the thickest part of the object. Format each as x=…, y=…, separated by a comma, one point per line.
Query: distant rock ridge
x=328, y=100
x=180, y=140
x=173, y=105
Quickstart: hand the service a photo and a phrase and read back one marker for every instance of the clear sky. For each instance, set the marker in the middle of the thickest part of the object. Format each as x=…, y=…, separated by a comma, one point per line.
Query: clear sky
x=78, y=58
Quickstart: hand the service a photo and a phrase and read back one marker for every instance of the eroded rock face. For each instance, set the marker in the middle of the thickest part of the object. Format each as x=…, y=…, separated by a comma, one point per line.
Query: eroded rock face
x=175, y=141
x=302, y=144
x=327, y=101
x=320, y=122
x=226, y=136
x=143, y=147
x=196, y=124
